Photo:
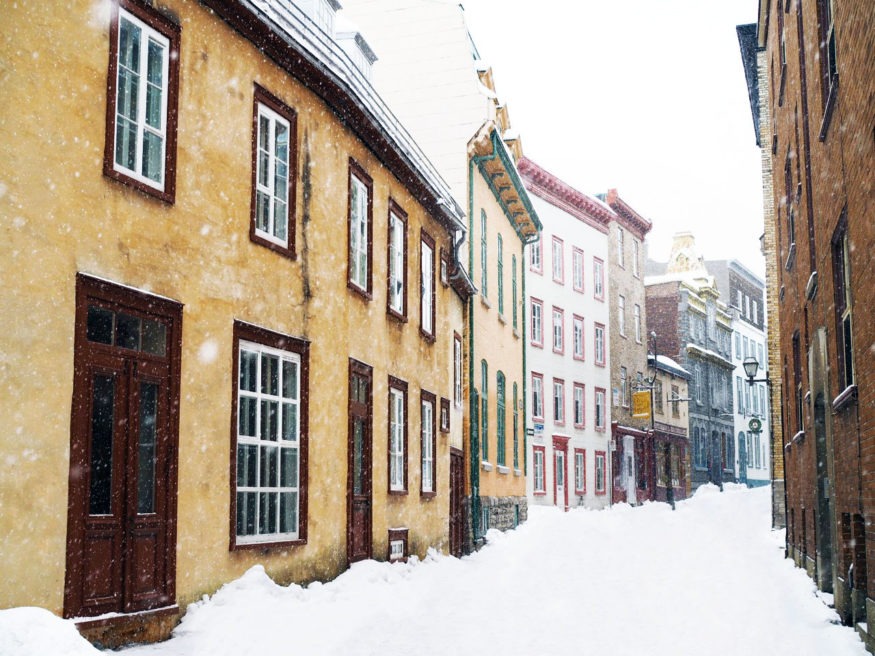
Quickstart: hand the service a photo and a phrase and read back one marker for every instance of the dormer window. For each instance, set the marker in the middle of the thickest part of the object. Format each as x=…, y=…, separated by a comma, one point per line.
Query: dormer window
x=354, y=45
x=321, y=12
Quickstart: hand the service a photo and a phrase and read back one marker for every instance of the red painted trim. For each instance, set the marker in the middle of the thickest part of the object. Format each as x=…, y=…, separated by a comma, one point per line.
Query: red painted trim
x=604, y=488
x=561, y=382
x=582, y=388
x=626, y=216
x=537, y=340
x=543, y=490
x=561, y=349
x=582, y=453
x=574, y=320
x=560, y=443
x=541, y=378
x=604, y=392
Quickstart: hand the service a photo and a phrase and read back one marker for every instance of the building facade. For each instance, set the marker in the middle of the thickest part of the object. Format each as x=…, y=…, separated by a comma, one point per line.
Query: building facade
x=250, y=346
x=665, y=456
x=567, y=350
x=628, y=347
x=821, y=78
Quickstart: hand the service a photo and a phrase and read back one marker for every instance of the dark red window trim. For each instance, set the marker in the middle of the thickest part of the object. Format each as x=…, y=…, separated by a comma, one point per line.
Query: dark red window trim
x=445, y=414
x=163, y=24
x=262, y=96
x=395, y=208
x=355, y=169
x=543, y=451
x=428, y=240
x=577, y=490
x=401, y=386
x=428, y=397
x=251, y=333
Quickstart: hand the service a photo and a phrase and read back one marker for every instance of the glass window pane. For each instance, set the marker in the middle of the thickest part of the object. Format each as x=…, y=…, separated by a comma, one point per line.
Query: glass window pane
x=247, y=457
x=290, y=379
x=99, y=325
x=127, y=95
x=268, y=467
x=147, y=448
x=248, y=369
x=289, y=512
x=280, y=220
x=262, y=211
x=153, y=156
x=270, y=374
x=290, y=421
x=358, y=455
x=269, y=420
x=264, y=134
x=127, y=331
x=102, y=424
x=154, y=337
x=247, y=416
x=155, y=72
x=246, y=513
x=129, y=45
x=281, y=149
x=126, y=143
x=267, y=507
x=289, y=468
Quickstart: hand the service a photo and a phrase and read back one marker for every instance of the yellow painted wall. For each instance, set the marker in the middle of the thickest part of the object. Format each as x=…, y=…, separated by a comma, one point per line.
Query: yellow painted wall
x=59, y=215
x=495, y=339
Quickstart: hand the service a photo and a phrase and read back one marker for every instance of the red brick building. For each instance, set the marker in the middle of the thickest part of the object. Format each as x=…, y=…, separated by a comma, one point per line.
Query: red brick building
x=819, y=60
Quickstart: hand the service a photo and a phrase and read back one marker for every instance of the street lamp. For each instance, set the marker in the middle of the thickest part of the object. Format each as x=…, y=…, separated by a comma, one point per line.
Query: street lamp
x=751, y=366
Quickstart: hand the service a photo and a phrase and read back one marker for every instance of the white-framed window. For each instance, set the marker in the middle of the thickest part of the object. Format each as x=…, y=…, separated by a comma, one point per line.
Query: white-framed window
x=558, y=330
x=580, y=471
x=143, y=94
x=621, y=247
x=268, y=503
x=636, y=270
x=427, y=443
x=537, y=322
x=579, y=405
x=621, y=314
x=397, y=268
x=426, y=262
x=558, y=401
x=538, y=470
x=359, y=230
x=535, y=257
x=397, y=432
x=577, y=337
x=272, y=176
x=457, y=369
x=599, y=331
x=599, y=408
x=624, y=387
x=558, y=261
x=577, y=269
x=537, y=396
x=598, y=279
x=600, y=473
x=739, y=392
x=637, y=318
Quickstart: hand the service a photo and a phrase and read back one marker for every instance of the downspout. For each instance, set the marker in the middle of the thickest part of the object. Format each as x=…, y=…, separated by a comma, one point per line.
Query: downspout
x=472, y=397
x=525, y=323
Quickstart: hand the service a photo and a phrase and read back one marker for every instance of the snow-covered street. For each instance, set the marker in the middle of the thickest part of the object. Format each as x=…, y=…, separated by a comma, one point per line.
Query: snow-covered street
x=709, y=577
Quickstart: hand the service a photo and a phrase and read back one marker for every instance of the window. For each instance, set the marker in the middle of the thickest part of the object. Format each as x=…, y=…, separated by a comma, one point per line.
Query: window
x=516, y=427
x=636, y=271
x=797, y=381
x=538, y=468
x=577, y=337
x=397, y=436
x=274, y=174
x=500, y=276
x=754, y=312
x=841, y=266
x=397, y=260
x=535, y=258
x=599, y=344
x=537, y=323
x=500, y=421
x=457, y=369
x=636, y=314
x=598, y=279
x=738, y=352
x=445, y=415
x=269, y=490
x=427, y=443
x=360, y=229
x=558, y=330
x=697, y=377
x=484, y=255
x=514, y=296
x=675, y=395
x=659, y=407
x=699, y=459
x=426, y=306
x=580, y=471
x=484, y=411
x=558, y=401
x=143, y=83
x=829, y=74
x=599, y=408
x=538, y=396
x=739, y=392
x=600, y=473
x=579, y=405
x=398, y=541
x=558, y=261
x=624, y=387
x=621, y=247
x=621, y=314
x=577, y=269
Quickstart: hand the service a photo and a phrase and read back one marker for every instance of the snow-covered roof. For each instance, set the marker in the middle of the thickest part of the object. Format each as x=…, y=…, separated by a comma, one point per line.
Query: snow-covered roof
x=710, y=355
x=665, y=363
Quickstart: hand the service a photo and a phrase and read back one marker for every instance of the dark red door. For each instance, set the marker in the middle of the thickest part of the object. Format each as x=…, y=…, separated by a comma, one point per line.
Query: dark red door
x=457, y=498
x=359, y=478
x=121, y=511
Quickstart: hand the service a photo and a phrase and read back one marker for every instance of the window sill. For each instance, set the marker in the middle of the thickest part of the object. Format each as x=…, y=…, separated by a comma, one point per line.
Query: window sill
x=485, y=466
x=503, y=470
x=799, y=437
x=846, y=399
x=394, y=315
x=363, y=293
x=828, y=109
x=517, y=472
x=427, y=495
x=516, y=333
x=791, y=257
x=540, y=493
x=260, y=239
x=502, y=318
x=397, y=493
x=485, y=302
x=267, y=547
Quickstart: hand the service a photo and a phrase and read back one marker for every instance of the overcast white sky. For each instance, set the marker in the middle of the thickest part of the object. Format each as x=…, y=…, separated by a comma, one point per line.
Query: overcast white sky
x=647, y=96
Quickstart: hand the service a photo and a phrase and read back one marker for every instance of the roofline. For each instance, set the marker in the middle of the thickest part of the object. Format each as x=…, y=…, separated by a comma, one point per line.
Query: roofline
x=555, y=191
x=321, y=65
x=631, y=219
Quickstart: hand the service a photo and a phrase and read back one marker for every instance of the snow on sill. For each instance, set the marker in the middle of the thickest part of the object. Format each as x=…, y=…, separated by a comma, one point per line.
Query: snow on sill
x=486, y=466
x=799, y=437
x=846, y=398
x=503, y=470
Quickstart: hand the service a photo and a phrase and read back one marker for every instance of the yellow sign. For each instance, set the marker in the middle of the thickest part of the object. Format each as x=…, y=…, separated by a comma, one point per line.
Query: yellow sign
x=641, y=404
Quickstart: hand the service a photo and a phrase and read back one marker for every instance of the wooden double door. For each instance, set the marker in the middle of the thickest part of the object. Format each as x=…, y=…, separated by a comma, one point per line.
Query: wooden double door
x=121, y=537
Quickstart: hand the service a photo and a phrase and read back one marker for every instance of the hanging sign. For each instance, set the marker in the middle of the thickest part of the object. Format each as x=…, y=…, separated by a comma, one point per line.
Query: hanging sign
x=641, y=404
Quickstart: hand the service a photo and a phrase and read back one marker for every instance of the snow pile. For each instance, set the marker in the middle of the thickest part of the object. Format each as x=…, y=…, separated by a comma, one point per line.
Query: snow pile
x=37, y=632
x=709, y=577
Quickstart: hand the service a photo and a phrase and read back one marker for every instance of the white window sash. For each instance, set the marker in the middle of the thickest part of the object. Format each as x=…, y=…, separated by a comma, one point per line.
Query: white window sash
x=358, y=233
x=427, y=288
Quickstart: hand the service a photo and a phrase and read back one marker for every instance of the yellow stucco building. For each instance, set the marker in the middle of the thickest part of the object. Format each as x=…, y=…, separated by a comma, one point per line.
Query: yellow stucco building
x=229, y=335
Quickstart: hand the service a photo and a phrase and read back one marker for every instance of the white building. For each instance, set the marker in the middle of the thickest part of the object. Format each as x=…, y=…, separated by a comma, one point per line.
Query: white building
x=567, y=354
